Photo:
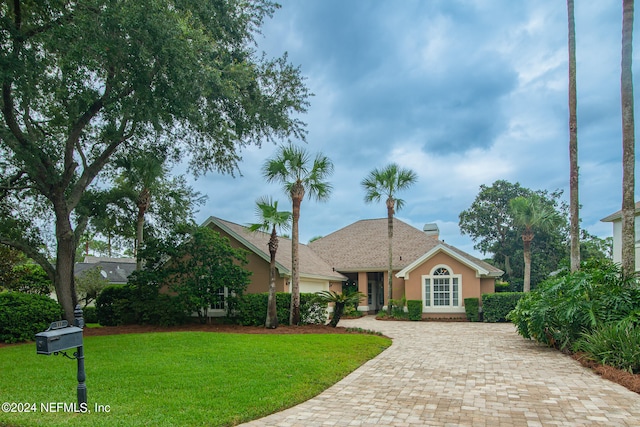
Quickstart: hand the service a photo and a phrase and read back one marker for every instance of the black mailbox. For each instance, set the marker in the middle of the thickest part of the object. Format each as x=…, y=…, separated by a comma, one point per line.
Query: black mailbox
x=59, y=337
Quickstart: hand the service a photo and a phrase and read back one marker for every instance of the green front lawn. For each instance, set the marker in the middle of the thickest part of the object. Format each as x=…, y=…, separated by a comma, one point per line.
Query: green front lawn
x=180, y=378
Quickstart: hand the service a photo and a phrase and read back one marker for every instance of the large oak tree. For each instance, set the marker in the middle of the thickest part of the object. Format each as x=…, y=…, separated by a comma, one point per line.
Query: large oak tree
x=84, y=81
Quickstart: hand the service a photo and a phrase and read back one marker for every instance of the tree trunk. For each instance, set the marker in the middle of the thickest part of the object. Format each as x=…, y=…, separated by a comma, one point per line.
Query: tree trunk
x=574, y=204
x=526, y=244
x=272, y=311
x=143, y=202
x=338, y=309
x=628, y=144
x=65, y=257
x=297, y=194
x=390, y=212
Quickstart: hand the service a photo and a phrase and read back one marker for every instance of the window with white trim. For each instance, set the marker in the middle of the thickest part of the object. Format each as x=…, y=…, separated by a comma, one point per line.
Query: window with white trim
x=220, y=304
x=441, y=289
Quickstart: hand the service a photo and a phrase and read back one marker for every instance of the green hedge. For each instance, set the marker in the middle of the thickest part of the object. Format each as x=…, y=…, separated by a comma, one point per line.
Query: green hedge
x=124, y=304
x=472, y=309
x=24, y=315
x=495, y=307
x=251, y=309
x=415, y=309
x=90, y=315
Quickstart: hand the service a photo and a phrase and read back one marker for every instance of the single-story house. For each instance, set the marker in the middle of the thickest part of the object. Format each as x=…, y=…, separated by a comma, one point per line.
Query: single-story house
x=425, y=268
x=616, y=220
x=315, y=274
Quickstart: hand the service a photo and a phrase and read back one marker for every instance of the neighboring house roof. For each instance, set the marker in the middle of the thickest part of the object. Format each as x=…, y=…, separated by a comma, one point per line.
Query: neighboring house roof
x=362, y=246
x=618, y=215
x=312, y=266
x=115, y=270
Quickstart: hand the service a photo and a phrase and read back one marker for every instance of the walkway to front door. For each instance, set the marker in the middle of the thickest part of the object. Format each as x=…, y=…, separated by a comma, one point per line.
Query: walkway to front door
x=464, y=374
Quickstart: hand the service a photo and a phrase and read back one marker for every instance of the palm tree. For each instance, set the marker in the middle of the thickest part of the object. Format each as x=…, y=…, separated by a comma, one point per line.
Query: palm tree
x=574, y=204
x=339, y=302
x=386, y=183
x=628, y=143
x=271, y=219
x=293, y=168
x=141, y=172
x=532, y=214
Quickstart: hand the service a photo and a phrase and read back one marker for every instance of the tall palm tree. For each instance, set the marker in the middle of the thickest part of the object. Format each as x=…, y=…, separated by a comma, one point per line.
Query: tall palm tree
x=292, y=167
x=270, y=219
x=141, y=172
x=574, y=204
x=386, y=183
x=531, y=214
x=628, y=143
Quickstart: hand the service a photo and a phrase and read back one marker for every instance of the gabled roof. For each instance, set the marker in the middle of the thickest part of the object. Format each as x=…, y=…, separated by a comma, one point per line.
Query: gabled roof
x=115, y=270
x=312, y=266
x=618, y=215
x=362, y=246
x=479, y=266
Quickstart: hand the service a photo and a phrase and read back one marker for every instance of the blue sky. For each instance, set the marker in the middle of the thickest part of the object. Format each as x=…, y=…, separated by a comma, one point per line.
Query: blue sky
x=462, y=92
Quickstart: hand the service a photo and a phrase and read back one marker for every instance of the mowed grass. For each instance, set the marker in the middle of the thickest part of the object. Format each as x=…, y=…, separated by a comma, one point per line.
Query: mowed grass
x=181, y=378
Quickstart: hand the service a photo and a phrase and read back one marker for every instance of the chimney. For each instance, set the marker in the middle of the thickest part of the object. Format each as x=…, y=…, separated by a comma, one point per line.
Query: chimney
x=431, y=229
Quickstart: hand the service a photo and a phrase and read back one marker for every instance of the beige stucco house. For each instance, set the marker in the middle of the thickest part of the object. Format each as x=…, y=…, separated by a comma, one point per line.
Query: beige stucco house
x=616, y=220
x=424, y=267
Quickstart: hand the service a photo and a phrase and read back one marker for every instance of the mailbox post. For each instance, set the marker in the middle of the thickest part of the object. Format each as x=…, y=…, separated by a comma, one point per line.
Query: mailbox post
x=60, y=337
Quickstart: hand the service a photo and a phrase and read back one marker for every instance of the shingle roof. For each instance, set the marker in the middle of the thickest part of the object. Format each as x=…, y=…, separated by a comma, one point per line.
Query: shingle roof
x=311, y=264
x=362, y=246
x=116, y=271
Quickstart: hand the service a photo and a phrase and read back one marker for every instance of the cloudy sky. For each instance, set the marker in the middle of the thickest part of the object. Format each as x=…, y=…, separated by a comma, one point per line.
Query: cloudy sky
x=464, y=92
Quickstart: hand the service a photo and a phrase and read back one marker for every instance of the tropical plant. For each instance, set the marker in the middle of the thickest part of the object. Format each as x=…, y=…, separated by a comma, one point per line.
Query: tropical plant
x=82, y=83
x=574, y=203
x=140, y=174
x=270, y=220
x=386, y=183
x=293, y=168
x=489, y=223
x=564, y=307
x=531, y=214
x=614, y=344
x=339, y=301
x=628, y=143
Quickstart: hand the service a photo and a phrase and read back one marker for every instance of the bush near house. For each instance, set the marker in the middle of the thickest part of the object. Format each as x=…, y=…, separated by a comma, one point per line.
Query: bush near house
x=562, y=309
x=496, y=307
x=472, y=309
x=126, y=304
x=414, y=307
x=24, y=315
x=251, y=309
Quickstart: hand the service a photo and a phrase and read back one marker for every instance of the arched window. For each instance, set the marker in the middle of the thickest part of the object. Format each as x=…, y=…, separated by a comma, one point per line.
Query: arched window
x=441, y=289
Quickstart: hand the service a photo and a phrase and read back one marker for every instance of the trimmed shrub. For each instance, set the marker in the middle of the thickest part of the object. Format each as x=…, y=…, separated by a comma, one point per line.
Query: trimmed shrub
x=502, y=286
x=124, y=305
x=111, y=304
x=496, y=307
x=24, y=315
x=415, y=309
x=90, y=315
x=472, y=309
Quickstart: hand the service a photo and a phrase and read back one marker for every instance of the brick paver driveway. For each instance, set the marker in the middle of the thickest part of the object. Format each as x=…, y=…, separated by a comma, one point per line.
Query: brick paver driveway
x=464, y=374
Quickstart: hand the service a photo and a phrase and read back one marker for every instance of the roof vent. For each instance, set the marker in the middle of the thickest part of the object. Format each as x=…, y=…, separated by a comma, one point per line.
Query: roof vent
x=431, y=229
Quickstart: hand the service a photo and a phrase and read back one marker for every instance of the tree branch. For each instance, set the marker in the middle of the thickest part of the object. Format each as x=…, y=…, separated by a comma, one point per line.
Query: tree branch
x=31, y=253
